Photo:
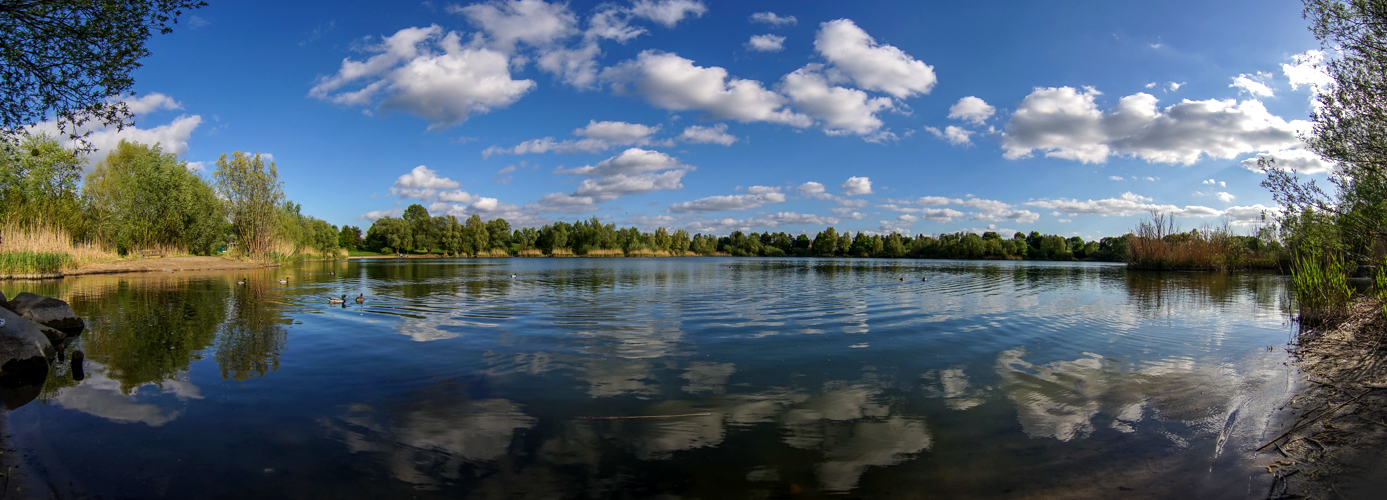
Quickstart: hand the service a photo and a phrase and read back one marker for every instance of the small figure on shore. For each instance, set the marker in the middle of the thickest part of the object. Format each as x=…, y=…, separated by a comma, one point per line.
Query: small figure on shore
x=360, y=298
x=337, y=300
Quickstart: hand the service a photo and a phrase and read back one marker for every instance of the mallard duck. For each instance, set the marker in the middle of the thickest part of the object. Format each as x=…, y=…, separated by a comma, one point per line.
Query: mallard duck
x=240, y=282
x=336, y=300
x=924, y=279
x=360, y=298
x=512, y=275
x=284, y=281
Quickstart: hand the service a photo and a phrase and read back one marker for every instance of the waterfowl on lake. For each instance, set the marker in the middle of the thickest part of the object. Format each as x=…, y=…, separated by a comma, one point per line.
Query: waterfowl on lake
x=360, y=298
x=335, y=300
x=240, y=282
x=902, y=279
x=924, y=279
x=512, y=275
x=284, y=281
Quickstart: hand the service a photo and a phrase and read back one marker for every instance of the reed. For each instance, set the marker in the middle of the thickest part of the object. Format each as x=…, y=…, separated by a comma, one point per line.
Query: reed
x=1322, y=291
x=606, y=252
x=49, y=248
x=561, y=252
x=645, y=252
x=530, y=252
x=495, y=252
x=1158, y=244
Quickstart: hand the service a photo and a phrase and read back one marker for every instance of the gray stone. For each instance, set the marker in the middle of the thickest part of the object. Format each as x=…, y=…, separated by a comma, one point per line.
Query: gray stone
x=46, y=311
x=23, y=347
x=52, y=334
x=4, y=302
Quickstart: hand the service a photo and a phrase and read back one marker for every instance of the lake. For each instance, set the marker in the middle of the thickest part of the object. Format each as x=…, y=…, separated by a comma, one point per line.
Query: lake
x=751, y=378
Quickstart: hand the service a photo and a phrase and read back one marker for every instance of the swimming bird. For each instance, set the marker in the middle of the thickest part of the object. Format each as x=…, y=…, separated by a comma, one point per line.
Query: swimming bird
x=924, y=279
x=360, y=298
x=335, y=300
x=902, y=279
x=240, y=282
x=284, y=281
x=512, y=275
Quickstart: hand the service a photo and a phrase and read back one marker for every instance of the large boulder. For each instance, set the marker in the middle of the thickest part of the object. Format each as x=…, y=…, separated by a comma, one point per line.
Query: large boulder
x=4, y=302
x=46, y=311
x=23, y=346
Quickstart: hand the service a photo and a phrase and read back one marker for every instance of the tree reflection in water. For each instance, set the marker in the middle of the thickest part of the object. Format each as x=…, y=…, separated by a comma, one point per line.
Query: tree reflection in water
x=252, y=339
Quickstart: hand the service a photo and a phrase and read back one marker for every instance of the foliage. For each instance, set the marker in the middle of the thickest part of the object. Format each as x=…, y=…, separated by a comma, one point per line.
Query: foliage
x=140, y=197
x=38, y=183
x=349, y=238
x=26, y=262
x=253, y=194
x=70, y=59
x=1158, y=244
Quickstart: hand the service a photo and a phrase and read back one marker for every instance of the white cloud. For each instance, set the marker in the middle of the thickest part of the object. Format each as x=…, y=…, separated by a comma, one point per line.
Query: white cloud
x=849, y=213
x=425, y=184
x=1151, y=85
x=1249, y=215
x=940, y=214
x=933, y=201
x=814, y=190
x=1252, y=84
x=634, y=171
x=772, y=19
x=534, y=22
x=671, y=82
x=957, y=136
x=1297, y=159
x=993, y=210
x=563, y=202
x=376, y=214
x=971, y=109
x=716, y=134
x=427, y=73
x=596, y=137
x=1174, y=86
x=576, y=67
x=668, y=12
x=151, y=103
x=1224, y=197
x=1114, y=177
x=766, y=43
x=1307, y=70
x=842, y=110
x=1066, y=123
x=873, y=66
x=857, y=185
x=727, y=224
x=1125, y=205
x=631, y=161
x=755, y=197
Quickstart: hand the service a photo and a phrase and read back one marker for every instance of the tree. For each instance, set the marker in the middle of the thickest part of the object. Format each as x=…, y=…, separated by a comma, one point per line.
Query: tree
x=38, y=183
x=140, y=197
x=73, y=59
x=253, y=194
x=349, y=237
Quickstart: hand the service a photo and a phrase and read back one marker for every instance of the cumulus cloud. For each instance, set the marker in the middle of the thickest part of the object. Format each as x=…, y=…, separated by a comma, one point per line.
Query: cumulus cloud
x=1066, y=123
x=1252, y=84
x=1224, y=197
x=755, y=197
x=668, y=12
x=814, y=190
x=871, y=65
x=376, y=214
x=773, y=19
x=671, y=82
x=534, y=22
x=857, y=185
x=957, y=136
x=595, y=137
x=993, y=210
x=1295, y=159
x=842, y=110
x=766, y=43
x=575, y=66
x=1308, y=69
x=428, y=73
x=765, y=220
x=1114, y=177
x=971, y=109
x=1125, y=205
x=171, y=137
x=716, y=134
x=634, y=171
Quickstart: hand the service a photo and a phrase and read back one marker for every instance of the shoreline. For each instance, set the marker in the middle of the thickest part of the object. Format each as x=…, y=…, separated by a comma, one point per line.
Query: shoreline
x=1336, y=446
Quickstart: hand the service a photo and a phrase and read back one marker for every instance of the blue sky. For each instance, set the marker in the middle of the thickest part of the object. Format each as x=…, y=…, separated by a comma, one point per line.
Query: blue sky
x=1074, y=118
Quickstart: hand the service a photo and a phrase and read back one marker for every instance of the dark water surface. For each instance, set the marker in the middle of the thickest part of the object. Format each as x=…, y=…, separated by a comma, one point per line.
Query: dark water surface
x=796, y=378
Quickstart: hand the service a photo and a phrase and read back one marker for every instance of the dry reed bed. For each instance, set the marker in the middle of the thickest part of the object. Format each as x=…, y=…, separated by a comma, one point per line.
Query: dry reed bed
x=44, y=250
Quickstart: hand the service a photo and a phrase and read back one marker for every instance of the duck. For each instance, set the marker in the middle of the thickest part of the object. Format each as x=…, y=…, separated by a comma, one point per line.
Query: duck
x=240, y=282
x=902, y=279
x=284, y=281
x=924, y=279
x=335, y=300
x=360, y=298
x=512, y=275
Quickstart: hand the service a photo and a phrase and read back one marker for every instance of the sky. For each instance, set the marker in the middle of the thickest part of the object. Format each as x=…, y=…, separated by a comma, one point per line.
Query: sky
x=1072, y=118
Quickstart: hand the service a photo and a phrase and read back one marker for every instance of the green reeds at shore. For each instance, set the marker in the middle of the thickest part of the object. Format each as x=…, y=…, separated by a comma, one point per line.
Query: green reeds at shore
x=1322, y=291
x=28, y=263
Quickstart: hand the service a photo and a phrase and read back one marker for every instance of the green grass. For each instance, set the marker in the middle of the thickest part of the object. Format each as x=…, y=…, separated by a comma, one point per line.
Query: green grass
x=365, y=253
x=26, y=262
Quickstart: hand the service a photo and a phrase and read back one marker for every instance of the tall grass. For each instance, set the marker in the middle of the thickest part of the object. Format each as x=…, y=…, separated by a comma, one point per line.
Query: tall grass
x=44, y=249
x=1158, y=244
x=1321, y=285
x=530, y=252
x=605, y=252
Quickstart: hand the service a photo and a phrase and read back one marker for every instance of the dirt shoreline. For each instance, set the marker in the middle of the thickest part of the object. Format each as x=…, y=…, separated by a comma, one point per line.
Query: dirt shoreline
x=165, y=264
x=1337, y=445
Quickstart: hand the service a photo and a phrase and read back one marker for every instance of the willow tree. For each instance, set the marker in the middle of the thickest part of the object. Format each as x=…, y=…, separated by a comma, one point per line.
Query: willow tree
x=140, y=197
x=1350, y=131
x=253, y=194
x=38, y=183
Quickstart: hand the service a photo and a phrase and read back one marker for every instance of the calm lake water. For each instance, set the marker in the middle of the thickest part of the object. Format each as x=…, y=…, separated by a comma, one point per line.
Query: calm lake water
x=770, y=378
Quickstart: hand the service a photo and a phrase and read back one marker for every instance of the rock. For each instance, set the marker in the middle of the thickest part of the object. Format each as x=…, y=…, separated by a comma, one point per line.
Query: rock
x=4, y=302
x=46, y=311
x=23, y=347
x=54, y=336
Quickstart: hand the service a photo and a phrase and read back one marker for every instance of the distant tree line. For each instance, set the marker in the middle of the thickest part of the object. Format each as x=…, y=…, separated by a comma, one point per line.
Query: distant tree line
x=416, y=232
